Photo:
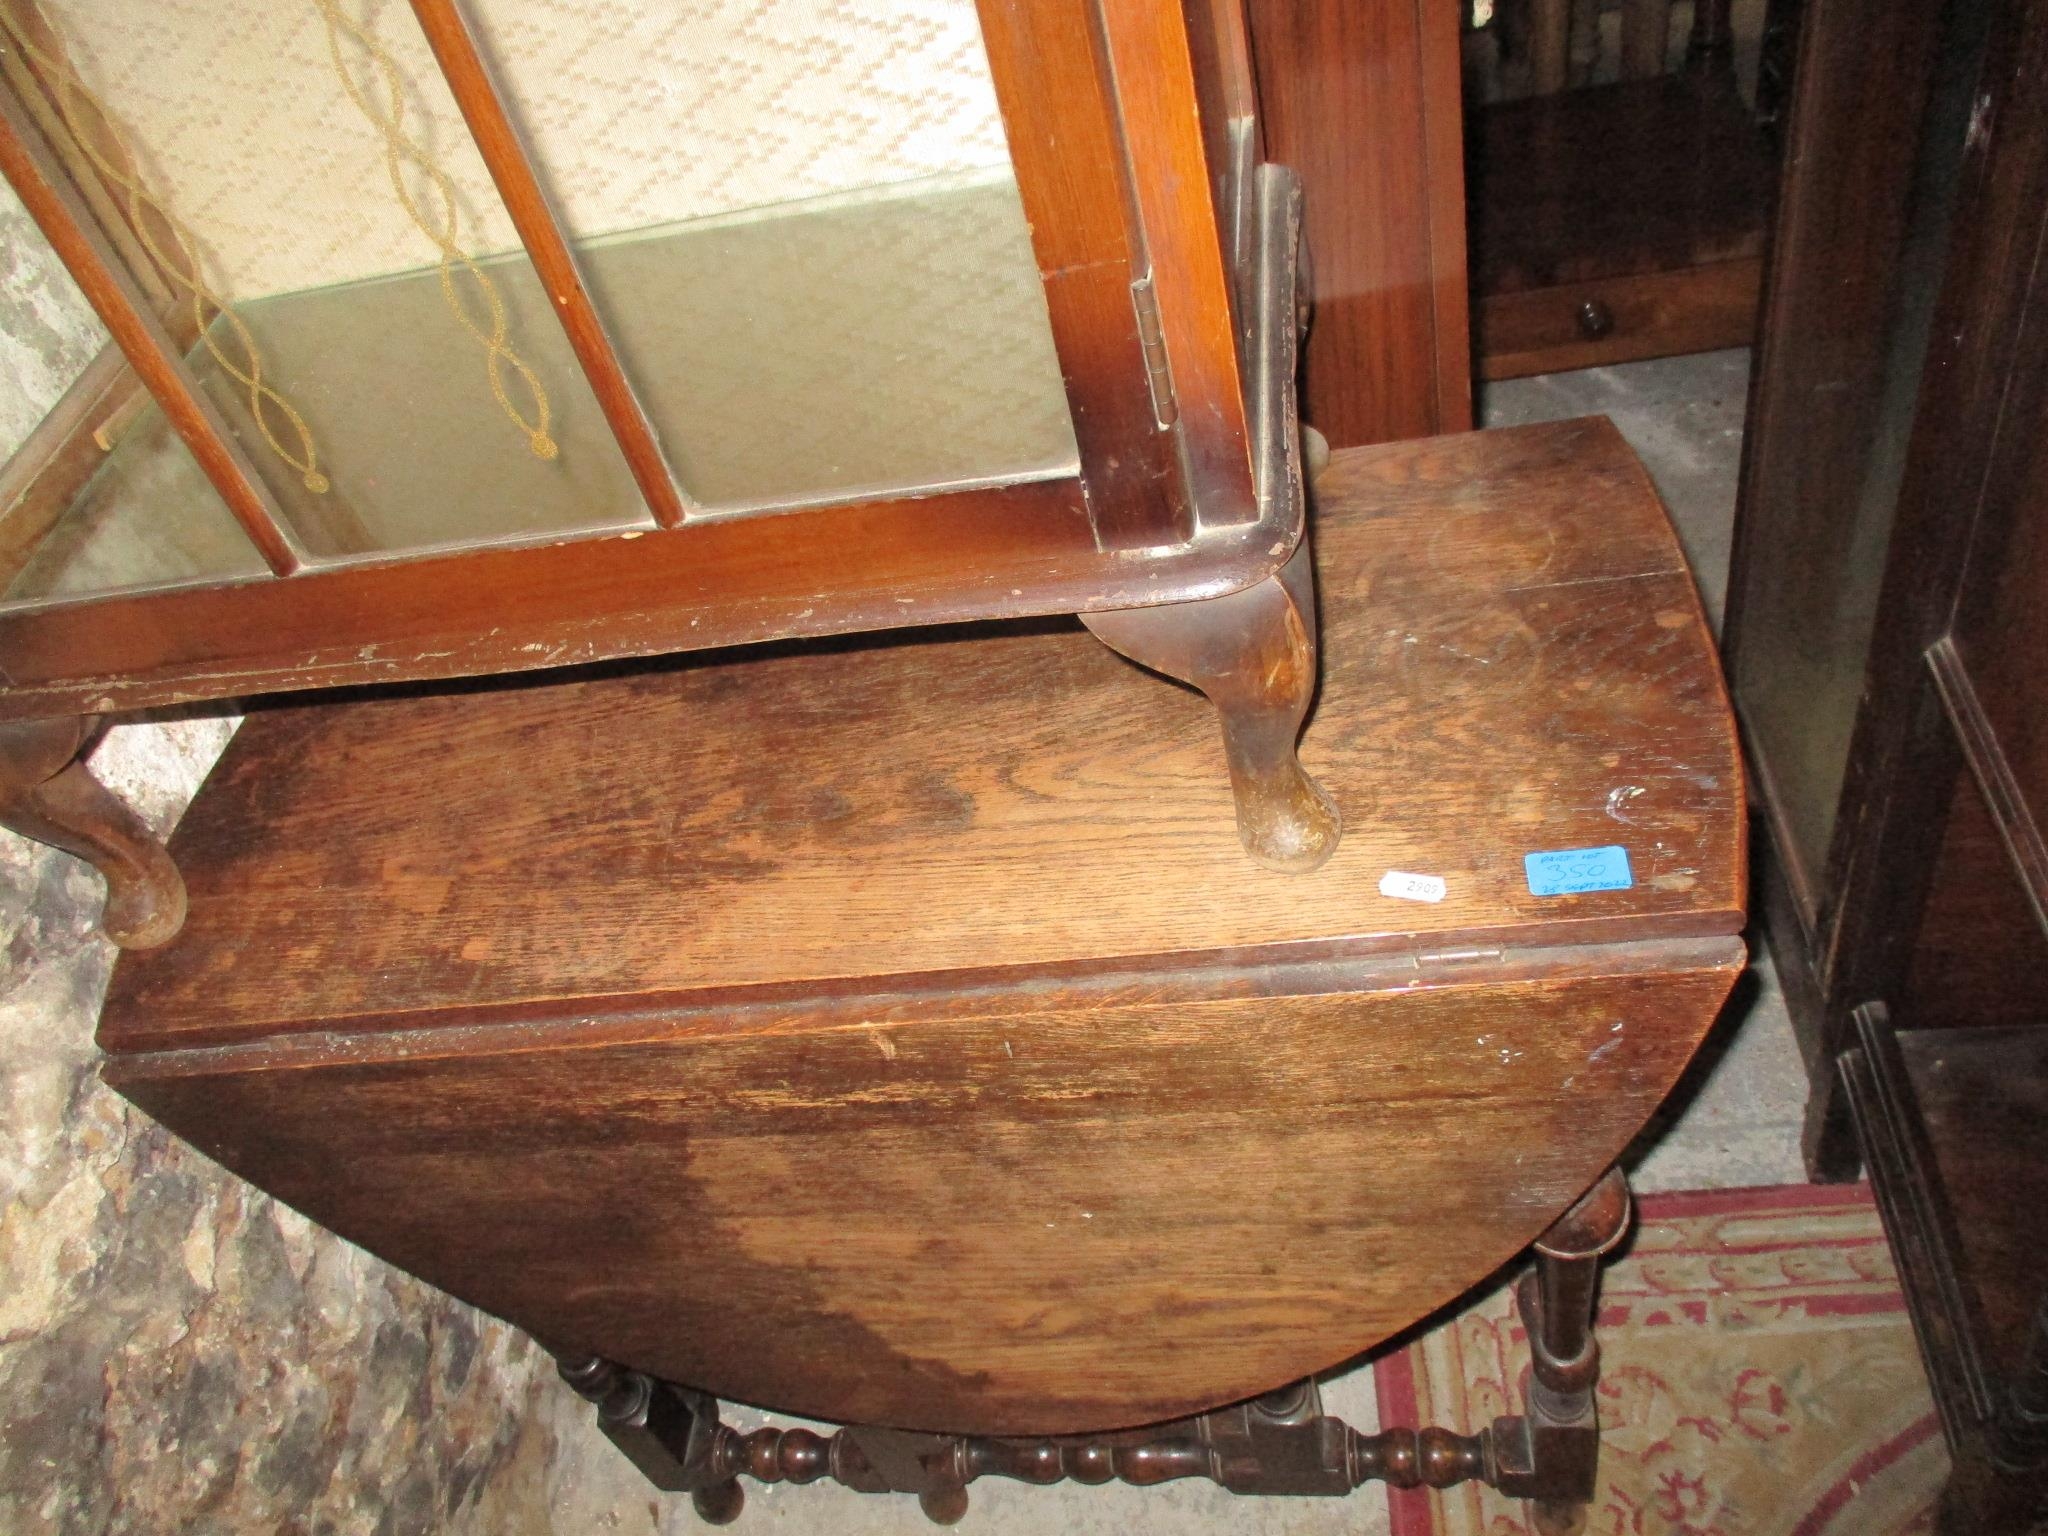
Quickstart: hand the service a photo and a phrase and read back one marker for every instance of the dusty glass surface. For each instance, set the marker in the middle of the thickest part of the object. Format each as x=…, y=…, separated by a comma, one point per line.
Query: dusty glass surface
x=1802, y=707
x=141, y=516
x=859, y=344
x=147, y=518
x=800, y=227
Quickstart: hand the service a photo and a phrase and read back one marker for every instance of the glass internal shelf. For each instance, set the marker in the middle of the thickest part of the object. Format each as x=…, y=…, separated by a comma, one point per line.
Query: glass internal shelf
x=888, y=341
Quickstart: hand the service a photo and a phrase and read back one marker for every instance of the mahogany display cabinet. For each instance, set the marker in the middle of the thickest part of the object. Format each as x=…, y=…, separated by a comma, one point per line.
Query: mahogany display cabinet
x=490, y=338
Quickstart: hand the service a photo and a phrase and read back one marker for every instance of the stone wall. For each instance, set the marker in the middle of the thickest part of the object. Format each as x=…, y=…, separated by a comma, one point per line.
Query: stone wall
x=177, y=1351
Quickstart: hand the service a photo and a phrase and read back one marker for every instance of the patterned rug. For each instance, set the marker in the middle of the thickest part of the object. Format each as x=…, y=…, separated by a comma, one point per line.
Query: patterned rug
x=1758, y=1378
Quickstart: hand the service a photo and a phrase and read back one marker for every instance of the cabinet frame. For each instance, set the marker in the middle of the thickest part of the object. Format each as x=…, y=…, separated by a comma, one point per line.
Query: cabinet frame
x=1134, y=145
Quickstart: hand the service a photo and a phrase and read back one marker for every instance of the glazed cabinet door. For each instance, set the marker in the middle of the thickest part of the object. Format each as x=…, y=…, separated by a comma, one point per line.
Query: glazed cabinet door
x=829, y=310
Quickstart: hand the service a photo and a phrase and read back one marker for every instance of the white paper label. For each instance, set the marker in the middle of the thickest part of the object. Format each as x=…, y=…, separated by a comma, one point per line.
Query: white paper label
x=1412, y=887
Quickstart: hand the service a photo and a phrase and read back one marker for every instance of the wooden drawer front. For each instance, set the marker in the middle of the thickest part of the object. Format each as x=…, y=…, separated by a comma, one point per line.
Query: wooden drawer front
x=1617, y=319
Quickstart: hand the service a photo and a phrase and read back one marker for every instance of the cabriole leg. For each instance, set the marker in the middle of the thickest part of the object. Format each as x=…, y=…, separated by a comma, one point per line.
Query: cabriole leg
x=46, y=794
x=1253, y=653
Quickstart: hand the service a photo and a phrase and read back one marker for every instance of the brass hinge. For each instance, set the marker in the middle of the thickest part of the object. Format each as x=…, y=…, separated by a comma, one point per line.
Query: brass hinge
x=1151, y=336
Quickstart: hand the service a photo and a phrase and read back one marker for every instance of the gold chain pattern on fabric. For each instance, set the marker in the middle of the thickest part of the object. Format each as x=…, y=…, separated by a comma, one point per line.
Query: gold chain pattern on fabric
x=400, y=148
x=183, y=268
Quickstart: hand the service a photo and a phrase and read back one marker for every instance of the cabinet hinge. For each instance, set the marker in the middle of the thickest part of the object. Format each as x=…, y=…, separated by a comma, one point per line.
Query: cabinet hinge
x=1145, y=300
x=1455, y=957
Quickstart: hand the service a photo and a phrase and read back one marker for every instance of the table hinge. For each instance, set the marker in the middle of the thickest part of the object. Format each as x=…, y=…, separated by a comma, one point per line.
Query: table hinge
x=1152, y=337
x=1456, y=956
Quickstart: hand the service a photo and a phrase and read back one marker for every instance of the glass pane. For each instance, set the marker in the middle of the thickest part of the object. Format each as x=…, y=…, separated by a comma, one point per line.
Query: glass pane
x=801, y=225
x=82, y=520
x=1814, y=589
x=373, y=339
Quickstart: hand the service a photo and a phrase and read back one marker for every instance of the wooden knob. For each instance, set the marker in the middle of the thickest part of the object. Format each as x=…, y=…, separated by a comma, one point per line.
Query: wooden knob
x=1595, y=319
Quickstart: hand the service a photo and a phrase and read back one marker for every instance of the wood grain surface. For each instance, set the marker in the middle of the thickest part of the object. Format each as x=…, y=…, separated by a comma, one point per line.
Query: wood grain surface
x=1514, y=661
x=1034, y=1210
x=1982, y=1098
x=896, y=1033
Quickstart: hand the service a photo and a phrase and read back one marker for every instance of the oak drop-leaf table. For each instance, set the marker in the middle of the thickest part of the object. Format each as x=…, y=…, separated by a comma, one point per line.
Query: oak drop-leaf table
x=892, y=1032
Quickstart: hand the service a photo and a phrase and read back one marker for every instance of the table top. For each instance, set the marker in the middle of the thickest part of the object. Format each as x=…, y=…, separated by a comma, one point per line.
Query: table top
x=1515, y=662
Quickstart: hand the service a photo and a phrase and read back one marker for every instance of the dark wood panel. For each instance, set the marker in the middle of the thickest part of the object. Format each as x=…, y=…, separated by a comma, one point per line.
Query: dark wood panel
x=1982, y=389
x=1979, y=956
x=1525, y=602
x=1363, y=102
x=2001, y=635
x=2004, y=798
x=1615, y=181
x=1051, y=71
x=1021, y=1213
x=1982, y=1102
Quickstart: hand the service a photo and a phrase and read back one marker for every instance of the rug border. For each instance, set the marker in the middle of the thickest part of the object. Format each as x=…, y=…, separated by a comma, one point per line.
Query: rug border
x=1393, y=1378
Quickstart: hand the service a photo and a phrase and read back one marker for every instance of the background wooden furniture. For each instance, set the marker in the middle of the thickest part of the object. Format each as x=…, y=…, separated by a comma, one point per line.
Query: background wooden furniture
x=898, y=1042
x=1620, y=221
x=1951, y=1121
x=1361, y=99
x=1164, y=256
x=1886, y=624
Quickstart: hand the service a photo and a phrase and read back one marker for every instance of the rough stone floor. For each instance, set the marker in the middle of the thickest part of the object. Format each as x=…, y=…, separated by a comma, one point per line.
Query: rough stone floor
x=176, y=1352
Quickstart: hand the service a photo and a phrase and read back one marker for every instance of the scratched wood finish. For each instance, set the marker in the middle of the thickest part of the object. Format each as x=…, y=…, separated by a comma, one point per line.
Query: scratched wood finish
x=1032, y=1211
x=1514, y=660
x=898, y=1038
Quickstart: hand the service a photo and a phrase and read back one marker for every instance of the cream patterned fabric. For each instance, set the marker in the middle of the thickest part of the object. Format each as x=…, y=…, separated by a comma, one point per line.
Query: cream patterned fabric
x=638, y=112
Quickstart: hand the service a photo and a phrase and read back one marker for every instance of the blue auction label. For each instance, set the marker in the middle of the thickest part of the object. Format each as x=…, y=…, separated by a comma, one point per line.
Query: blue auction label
x=1568, y=871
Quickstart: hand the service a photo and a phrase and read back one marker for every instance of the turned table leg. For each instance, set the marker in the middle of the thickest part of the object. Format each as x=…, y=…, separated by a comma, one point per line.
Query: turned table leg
x=47, y=794
x=1281, y=1443
x=1253, y=653
x=1551, y=1454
